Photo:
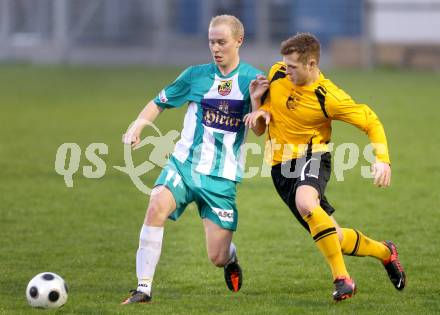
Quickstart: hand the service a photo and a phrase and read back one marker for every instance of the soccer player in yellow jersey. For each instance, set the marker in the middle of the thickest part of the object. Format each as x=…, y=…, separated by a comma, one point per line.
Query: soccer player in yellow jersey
x=299, y=104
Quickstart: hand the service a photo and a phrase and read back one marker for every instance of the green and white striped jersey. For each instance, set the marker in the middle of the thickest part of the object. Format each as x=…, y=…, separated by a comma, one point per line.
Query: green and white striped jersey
x=213, y=131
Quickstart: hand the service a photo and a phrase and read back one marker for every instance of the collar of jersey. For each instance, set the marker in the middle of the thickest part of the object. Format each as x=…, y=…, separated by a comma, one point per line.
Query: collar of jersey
x=218, y=73
x=312, y=86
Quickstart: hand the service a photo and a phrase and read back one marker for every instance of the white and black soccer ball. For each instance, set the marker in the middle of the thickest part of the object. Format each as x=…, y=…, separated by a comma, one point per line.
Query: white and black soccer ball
x=47, y=290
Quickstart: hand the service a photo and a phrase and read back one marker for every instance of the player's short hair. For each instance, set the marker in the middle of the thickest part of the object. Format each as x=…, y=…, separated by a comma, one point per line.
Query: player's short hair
x=235, y=24
x=305, y=44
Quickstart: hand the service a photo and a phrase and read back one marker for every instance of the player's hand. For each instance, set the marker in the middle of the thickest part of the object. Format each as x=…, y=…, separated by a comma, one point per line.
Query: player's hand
x=382, y=174
x=251, y=119
x=133, y=135
x=132, y=139
x=258, y=86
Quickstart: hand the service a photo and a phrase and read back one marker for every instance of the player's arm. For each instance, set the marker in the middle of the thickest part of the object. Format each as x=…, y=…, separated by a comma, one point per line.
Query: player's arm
x=259, y=118
x=147, y=116
x=364, y=118
x=174, y=95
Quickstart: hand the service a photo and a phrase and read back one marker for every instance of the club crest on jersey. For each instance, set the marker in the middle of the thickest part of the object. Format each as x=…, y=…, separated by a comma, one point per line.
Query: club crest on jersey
x=225, y=87
x=292, y=102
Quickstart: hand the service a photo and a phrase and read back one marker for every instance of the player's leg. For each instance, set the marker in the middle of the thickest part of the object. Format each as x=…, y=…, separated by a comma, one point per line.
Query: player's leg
x=218, y=243
x=310, y=188
x=168, y=200
x=338, y=229
x=287, y=186
x=355, y=243
x=323, y=231
x=161, y=205
x=322, y=228
x=218, y=209
x=222, y=253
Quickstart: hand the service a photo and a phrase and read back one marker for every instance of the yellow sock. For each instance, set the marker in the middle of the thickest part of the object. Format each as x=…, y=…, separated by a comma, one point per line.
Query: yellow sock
x=324, y=233
x=357, y=244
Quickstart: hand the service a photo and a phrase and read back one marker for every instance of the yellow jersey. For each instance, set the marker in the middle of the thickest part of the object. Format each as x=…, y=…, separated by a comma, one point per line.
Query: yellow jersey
x=301, y=116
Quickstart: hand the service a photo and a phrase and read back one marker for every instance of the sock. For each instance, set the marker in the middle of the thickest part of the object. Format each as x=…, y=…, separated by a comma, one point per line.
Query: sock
x=147, y=256
x=357, y=244
x=232, y=253
x=324, y=234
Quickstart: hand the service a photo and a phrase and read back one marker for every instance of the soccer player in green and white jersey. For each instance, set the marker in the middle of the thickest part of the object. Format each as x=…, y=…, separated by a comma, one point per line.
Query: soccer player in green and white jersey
x=207, y=161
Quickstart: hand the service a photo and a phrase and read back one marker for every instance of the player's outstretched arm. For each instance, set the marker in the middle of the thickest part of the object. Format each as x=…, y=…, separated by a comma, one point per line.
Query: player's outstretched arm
x=364, y=118
x=147, y=116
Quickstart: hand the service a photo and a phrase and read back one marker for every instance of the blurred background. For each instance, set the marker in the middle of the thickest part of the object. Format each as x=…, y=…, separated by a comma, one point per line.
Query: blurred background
x=354, y=33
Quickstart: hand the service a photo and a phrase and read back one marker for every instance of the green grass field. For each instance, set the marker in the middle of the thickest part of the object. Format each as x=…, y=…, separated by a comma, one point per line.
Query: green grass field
x=89, y=233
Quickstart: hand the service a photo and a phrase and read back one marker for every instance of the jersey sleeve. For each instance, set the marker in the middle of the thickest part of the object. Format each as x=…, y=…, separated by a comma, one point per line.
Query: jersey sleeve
x=342, y=107
x=177, y=93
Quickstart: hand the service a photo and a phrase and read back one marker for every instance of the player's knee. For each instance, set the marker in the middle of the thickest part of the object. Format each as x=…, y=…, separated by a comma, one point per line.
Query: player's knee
x=305, y=206
x=306, y=200
x=156, y=214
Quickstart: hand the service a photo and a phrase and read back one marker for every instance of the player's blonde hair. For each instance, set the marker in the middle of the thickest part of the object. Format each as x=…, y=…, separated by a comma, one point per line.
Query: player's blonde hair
x=237, y=28
x=305, y=44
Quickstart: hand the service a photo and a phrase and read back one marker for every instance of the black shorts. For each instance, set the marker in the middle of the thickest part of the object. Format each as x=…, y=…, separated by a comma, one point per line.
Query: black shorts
x=313, y=170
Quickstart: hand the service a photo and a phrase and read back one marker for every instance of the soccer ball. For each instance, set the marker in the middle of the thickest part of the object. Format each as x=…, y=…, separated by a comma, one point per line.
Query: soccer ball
x=47, y=290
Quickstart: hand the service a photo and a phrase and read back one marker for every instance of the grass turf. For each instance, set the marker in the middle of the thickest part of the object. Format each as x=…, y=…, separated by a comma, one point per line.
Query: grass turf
x=89, y=233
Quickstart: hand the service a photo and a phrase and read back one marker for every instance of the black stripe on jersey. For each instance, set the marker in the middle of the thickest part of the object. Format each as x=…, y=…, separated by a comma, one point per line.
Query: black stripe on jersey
x=356, y=246
x=263, y=98
x=320, y=94
x=280, y=74
x=324, y=233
